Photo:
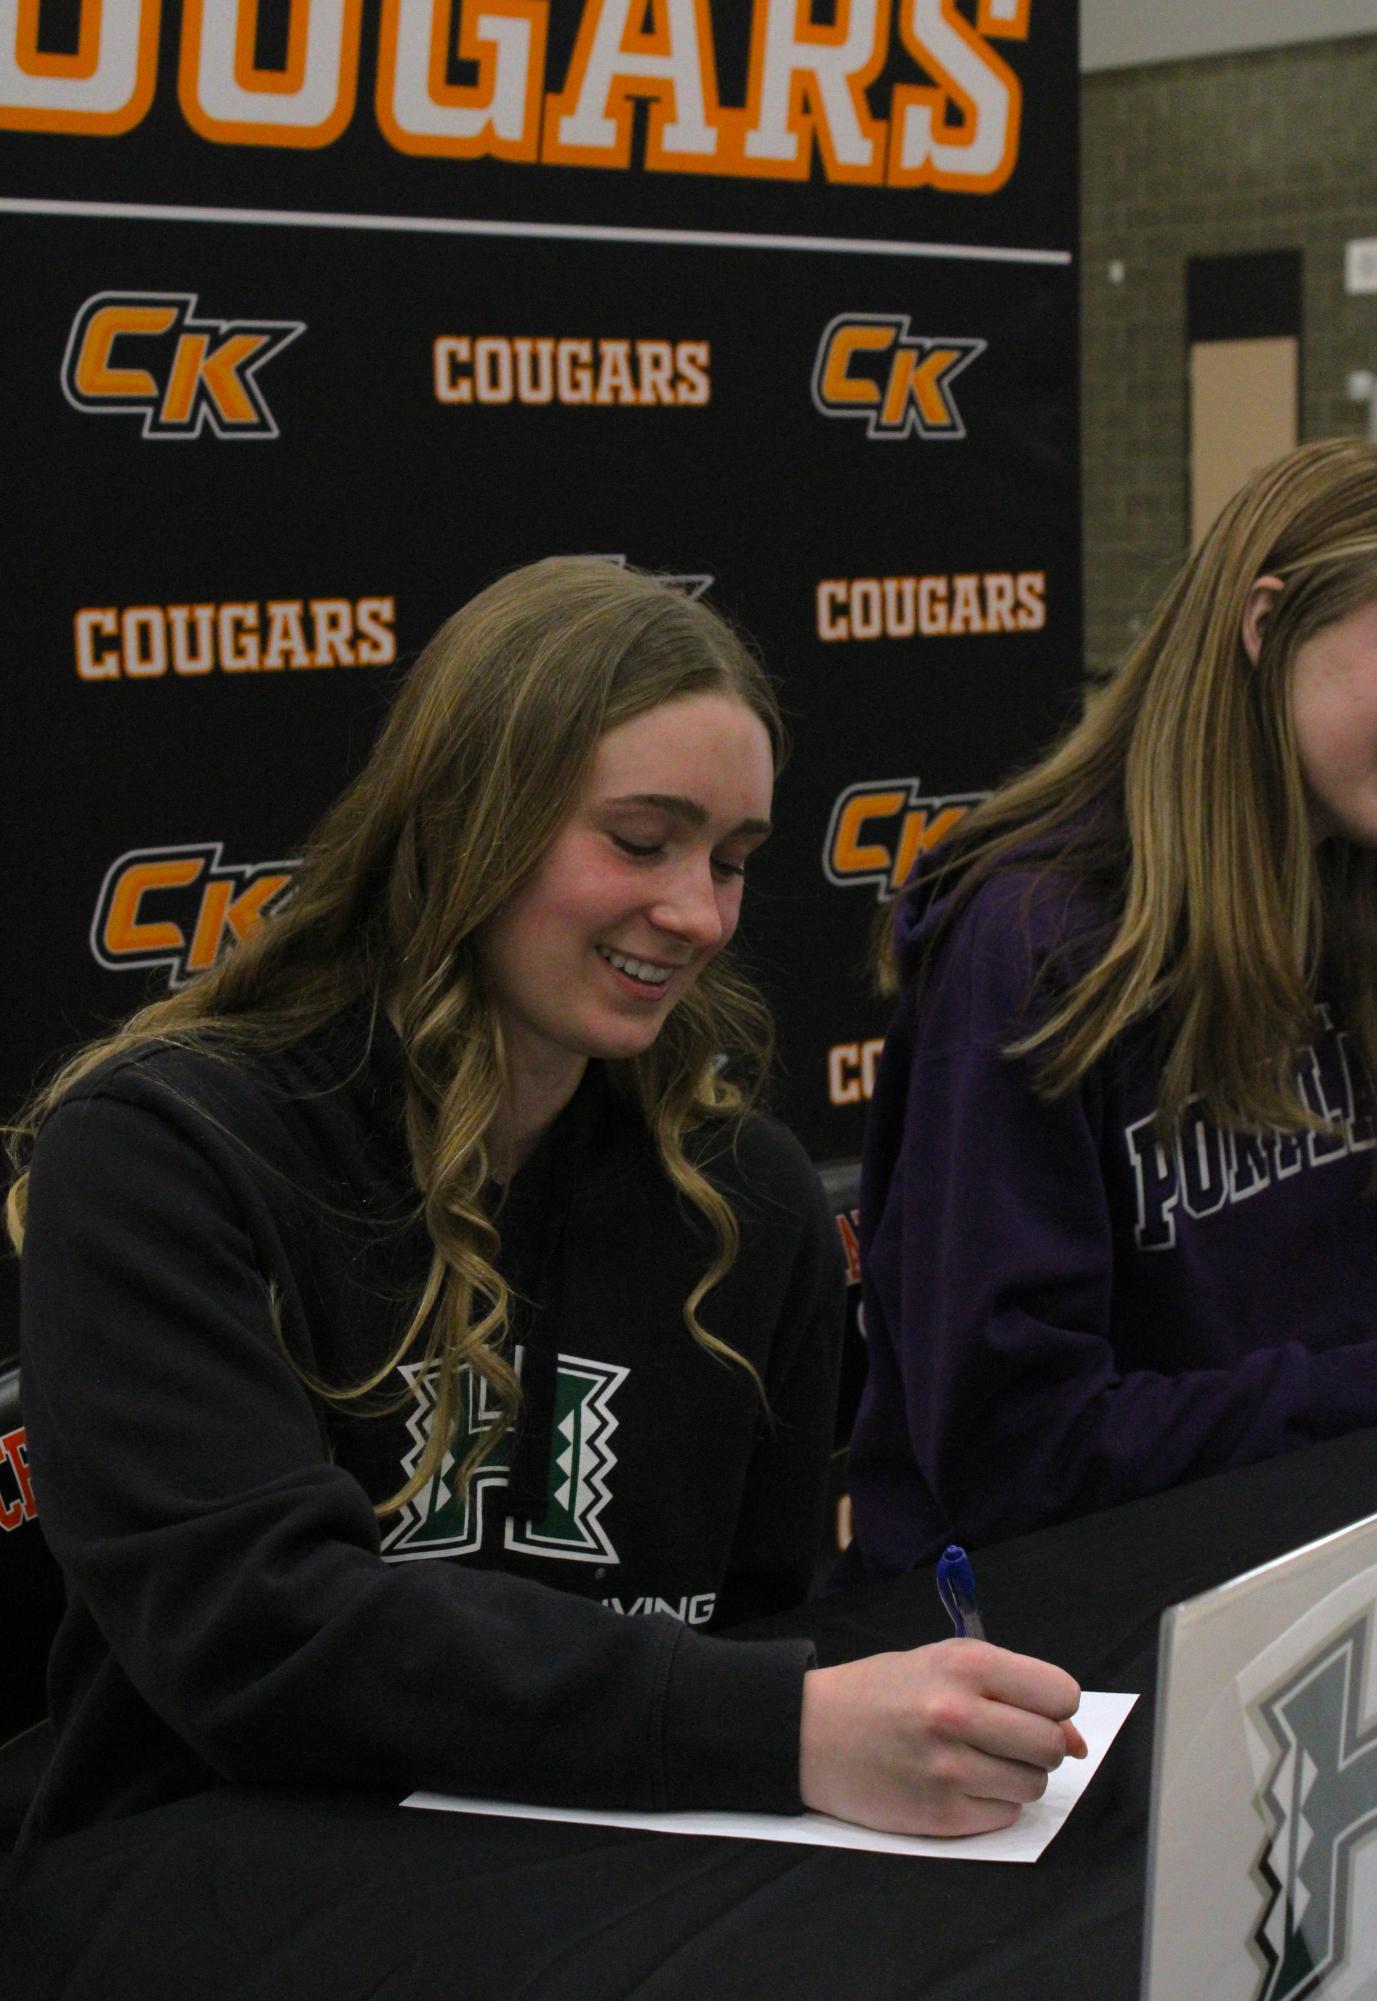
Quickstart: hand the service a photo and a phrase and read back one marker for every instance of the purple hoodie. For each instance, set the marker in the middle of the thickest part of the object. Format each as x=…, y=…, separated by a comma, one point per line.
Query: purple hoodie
x=1061, y=1313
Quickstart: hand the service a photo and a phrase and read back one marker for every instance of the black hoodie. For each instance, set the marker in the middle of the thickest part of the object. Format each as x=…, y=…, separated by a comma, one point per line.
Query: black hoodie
x=206, y=1237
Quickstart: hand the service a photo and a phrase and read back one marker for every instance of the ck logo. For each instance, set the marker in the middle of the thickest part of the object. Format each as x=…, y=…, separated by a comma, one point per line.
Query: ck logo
x=147, y=354
x=179, y=907
x=879, y=828
x=869, y=365
x=1320, y=1802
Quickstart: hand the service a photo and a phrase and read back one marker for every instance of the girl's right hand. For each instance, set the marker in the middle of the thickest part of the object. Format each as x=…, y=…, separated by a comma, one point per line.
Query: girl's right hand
x=947, y=1739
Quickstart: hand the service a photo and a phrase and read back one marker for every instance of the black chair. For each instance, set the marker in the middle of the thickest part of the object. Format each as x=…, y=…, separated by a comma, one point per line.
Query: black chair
x=31, y=1592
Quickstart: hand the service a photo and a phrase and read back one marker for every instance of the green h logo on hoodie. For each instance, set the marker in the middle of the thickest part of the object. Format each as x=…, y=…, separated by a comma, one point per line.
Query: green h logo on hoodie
x=439, y=1521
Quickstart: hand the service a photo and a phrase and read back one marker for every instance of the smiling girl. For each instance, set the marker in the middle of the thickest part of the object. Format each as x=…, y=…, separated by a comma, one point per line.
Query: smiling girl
x=425, y=1345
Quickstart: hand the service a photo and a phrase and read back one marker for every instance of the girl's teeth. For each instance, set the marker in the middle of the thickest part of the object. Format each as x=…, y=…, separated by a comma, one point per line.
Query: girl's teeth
x=638, y=969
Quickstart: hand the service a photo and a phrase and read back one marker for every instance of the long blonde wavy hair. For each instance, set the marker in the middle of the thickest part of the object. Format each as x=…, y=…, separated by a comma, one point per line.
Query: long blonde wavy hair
x=1179, y=799
x=482, y=756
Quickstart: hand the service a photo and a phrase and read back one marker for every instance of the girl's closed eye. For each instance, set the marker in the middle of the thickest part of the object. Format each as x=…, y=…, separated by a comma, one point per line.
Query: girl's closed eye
x=641, y=851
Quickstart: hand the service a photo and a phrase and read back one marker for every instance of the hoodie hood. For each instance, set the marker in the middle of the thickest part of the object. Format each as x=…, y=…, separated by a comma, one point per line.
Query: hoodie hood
x=1055, y=885
x=923, y=907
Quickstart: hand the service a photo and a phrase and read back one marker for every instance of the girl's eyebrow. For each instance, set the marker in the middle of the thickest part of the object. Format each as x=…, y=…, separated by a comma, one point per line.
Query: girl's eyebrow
x=691, y=810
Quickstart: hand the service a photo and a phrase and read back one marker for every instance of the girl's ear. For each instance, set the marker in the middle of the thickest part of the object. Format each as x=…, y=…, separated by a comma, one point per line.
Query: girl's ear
x=1261, y=599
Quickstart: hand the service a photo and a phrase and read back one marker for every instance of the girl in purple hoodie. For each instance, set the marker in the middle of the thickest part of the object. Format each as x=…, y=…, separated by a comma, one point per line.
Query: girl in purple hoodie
x=1117, y=1214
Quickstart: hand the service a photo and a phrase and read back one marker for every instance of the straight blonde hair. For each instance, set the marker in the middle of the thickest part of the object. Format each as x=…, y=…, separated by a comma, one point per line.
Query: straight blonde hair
x=1180, y=802
x=484, y=752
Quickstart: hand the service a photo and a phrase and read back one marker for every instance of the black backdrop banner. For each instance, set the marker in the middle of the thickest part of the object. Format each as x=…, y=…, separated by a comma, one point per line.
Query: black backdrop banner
x=323, y=313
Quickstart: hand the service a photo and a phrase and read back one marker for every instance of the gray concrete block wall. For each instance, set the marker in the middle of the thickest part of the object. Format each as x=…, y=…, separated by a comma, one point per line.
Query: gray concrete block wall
x=1275, y=150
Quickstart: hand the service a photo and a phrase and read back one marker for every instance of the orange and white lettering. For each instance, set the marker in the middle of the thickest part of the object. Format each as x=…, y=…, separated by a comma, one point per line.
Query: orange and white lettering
x=466, y=79
x=966, y=615
x=867, y=614
x=332, y=620
x=146, y=354
x=538, y=368
x=284, y=643
x=197, y=367
x=1032, y=600
x=143, y=638
x=492, y=369
x=849, y=858
x=591, y=121
x=916, y=382
x=849, y=854
x=977, y=152
x=655, y=361
x=843, y=1073
x=535, y=369
x=221, y=910
x=901, y=616
x=377, y=640
x=616, y=383
x=999, y=602
x=498, y=114
x=832, y=622
x=807, y=83
x=934, y=609
x=126, y=932
x=225, y=96
x=846, y=338
x=91, y=626
x=94, y=374
x=574, y=371
x=851, y=1070
x=693, y=359
x=452, y=354
x=187, y=659
x=238, y=635
x=914, y=396
x=105, y=85
x=225, y=902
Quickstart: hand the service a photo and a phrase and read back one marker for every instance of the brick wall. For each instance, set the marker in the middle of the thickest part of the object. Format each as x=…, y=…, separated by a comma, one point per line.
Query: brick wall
x=1269, y=151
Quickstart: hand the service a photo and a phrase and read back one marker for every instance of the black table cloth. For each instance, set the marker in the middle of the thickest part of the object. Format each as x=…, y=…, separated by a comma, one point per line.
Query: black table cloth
x=293, y=1896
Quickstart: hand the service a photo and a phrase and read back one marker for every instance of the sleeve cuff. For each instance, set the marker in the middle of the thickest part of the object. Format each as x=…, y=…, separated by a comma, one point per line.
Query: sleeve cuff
x=731, y=1718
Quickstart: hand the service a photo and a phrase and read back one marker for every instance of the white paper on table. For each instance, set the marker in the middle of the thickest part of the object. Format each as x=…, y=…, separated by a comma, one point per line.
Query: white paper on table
x=1100, y=1718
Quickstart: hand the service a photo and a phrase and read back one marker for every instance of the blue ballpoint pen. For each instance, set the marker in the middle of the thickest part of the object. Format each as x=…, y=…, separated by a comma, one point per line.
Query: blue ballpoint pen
x=956, y=1589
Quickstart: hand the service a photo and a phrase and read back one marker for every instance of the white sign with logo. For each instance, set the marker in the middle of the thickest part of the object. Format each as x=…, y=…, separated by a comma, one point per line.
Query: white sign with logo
x=1262, y=1877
